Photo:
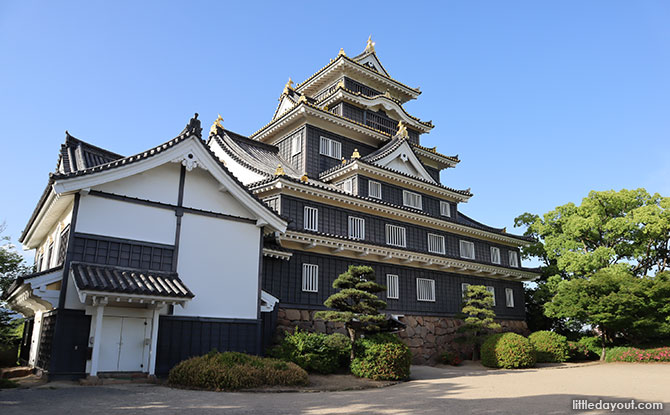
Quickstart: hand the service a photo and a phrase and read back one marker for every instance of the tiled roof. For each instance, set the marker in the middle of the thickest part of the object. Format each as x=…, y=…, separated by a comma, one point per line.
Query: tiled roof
x=371, y=163
x=77, y=155
x=256, y=156
x=110, y=279
x=325, y=186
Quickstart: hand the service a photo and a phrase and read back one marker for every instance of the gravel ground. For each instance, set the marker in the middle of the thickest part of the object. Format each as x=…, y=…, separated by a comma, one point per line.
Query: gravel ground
x=442, y=390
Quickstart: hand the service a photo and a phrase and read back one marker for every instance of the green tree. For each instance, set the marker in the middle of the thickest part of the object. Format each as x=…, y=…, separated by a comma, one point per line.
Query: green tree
x=618, y=304
x=356, y=303
x=630, y=228
x=478, y=317
x=12, y=266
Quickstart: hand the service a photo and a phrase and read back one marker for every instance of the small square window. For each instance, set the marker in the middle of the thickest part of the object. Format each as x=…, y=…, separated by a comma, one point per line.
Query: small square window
x=493, y=293
x=509, y=297
x=374, y=189
x=411, y=199
x=425, y=289
x=311, y=219
x=310, y=278
x=356, y=228
x=445, y=209
x=467, y=249
x=331, y=148
x=395, y=235
x=436, y=244
x=392, y=289
x=514, y=259
x=495, y=255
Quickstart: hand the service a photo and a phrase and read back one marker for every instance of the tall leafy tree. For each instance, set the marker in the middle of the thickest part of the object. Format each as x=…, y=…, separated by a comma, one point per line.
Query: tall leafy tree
x=356, y=303
x=620, y=305
x=630, y=228
x=12, y=265
x=478, y=316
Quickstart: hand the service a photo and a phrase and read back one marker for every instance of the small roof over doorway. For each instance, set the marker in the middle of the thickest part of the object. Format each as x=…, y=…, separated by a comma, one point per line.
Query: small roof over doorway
x=128, y=285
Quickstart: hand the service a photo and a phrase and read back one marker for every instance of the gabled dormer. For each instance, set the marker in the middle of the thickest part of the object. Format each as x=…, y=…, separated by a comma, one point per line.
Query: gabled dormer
x=399, y=156
x=369, y=58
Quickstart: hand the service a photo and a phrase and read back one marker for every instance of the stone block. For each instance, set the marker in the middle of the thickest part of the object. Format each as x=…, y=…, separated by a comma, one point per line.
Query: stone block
x=292, y=314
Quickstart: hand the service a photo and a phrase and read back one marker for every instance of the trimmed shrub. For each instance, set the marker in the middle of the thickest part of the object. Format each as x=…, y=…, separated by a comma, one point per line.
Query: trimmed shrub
x=635, y=355
x=508, y=351
x=314, y=352
x=451, y=358
x=381, y=357
x=593, y=344
x=578, y=352
x=232, y=370
x=549, y=347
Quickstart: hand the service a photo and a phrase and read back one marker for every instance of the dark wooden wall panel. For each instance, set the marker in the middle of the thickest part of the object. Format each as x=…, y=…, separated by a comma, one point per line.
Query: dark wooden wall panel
x=283, y=279
x=104, y=250
x=180, y=338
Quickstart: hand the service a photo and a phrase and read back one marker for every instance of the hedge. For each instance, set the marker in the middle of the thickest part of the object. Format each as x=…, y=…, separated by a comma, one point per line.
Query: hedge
x=381, y=357
x=550, y=347
x=232, y=371
x=635, y=355
x=508, y=351
x=315, y=352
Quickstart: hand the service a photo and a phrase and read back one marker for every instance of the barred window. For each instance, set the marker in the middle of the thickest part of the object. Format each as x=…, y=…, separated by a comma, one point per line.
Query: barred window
x=493, y=293
x=375, y=189
x=467, y=249
x=509, y=297
x=62, y=247
x=411, y=199
x=392, y=289
x=435, y=244
x=425, y=289
x=311, y=220
x=296, y=144
x=356, y=228
x=395, y=235
x=330, y=148
x=310, y=278
x=445, y=208
x=513, y=259
x=495, y=255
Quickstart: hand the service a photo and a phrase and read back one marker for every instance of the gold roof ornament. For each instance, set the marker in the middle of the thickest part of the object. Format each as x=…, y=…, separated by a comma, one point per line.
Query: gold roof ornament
x=370, y=47
x=303, y=98
x=341, y=52
x=505, y=229
x=344, y=161
x=402, y=130
x=279, y=171
x=304, y=178
x=217, y=124
x=288, y=86
x=325, y=107
x=355, y=155
x=340, y=84
x=387, y=94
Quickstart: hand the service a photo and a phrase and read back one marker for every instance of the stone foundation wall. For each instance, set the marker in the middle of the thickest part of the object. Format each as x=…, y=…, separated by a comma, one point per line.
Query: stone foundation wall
x=427, y=337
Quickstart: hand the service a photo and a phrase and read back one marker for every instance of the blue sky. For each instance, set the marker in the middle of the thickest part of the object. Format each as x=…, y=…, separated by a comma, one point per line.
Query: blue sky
x=542, y=101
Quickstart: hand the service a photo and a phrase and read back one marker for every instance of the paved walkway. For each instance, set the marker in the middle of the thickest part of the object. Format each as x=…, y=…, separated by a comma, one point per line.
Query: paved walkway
x=461, y=390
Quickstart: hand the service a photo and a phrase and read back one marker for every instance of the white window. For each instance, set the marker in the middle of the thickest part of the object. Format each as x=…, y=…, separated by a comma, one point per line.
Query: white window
x=425, y=289
x=435, y=243
x=375, y=189
x=509, y=297
x=347, y=185
x=310, y=278
x=513, y=259
x=331, y=148
x=495, y=255
x=356, y=228
x=411, y=199
x=296, y=145
x=467, y=249
x=392, y=289
x=493, y=293
x=311, y=220
x=464, y=289
x=445, y=208
x=395, y=235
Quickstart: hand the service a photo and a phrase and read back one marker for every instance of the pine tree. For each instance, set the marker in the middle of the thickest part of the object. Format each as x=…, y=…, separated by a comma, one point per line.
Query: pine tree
x=356, y=303
x=478, y=316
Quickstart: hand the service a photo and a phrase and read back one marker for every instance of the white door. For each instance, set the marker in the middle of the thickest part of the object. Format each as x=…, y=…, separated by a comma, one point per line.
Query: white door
x=123, y=346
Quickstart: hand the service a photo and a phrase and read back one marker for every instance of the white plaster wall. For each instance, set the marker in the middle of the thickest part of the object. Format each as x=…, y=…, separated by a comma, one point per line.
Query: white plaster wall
x=54, y=235
x=218, y=261
x=404, y=167
x=72, y=296
x=201, y=191
x=160, y=184
x=120, y=219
